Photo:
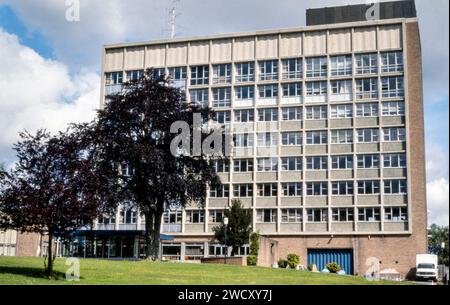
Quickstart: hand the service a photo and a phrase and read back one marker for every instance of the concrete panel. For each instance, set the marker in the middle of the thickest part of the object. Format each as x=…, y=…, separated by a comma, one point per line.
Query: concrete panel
x=392, y=121
x=315, y=175
x=290, y=150
x=341, y=123
x=199, y=53
x=342, y=227
x=266, y=202
x=367, y=200
x=315, y=149
x=390, y=37
x=341, y=148
x=243, y=127
x=177, y=54
x=221, y=50
x=266, y=228
x=367, y=147
x=267, y=151
x=267, y=47
x=316, y=201
x=294, y=100
x=246, y=202
x=242, y=177
x=194, y=228
x=393, y=146
x=365, y=39
x=291, y=201
x=369, y=226
x=224, y=177
x=270, y=177
x=218, y=202
x=316, y=227
x=244, y=49
x=293, y=176
x=395, y=226
x=290, y=227
x=341, y=200
x=266, y=126
x=134, y=58
x=243, y=152
x=156, y=56
x=367, y=173
x=291, y=125
x=315, y=43
x=342, y=174
x=340, y=41
x=367, y=122
x=395, y=199
x=114, y=60
x=315, y=124
x=394, y=172
x=291, y=45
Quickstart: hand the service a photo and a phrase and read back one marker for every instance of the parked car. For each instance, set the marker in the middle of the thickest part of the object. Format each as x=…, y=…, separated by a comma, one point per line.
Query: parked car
x=426, y=267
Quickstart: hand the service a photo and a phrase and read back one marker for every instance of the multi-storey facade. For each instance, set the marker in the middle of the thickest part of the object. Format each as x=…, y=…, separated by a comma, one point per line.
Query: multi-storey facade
x=328, y=153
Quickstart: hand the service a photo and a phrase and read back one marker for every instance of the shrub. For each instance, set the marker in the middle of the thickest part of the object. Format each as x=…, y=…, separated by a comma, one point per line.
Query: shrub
x=293, y=260
x=251, y=260
x=333, y=267
x=254, y=243
x=282, y=263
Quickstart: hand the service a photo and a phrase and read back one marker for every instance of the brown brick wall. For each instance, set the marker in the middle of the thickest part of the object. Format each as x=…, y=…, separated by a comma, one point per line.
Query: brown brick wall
x=28, y=244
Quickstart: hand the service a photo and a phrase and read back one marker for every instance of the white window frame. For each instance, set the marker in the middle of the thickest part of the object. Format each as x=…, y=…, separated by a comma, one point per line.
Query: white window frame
x=220, y=191
x=396, y=187
x=316, y=67
x=267, y=139
x=240, y=164
x=342, y=215
x=267, y=114
x=199, y=75
x=243, y=190
x=261, y=217
x=291, y=138
x=222, y=74
x=391, y=62
x=369, y=215
x=286, y=163
x=341, y=87
x=244, y=92
x=243, y=140
x=199, y=97
x=366, y=88
x=221, y=97
x=341, y=65
x=394, y=161
x=245, y=72
x=317, y=215
x=394, y=134
x=195, y=216
x=291, y=215
x=267, y=164
x=268, y=70
x=316, y=163
x=393, y=108
x=291, y=189
x=292, y=68
x=366, y=110
x=292, y=90
x=369, y=187
x=368, y=161
x=244, y=115
x=368, y=135
x=366, y=63
x=312, y=136
x=395, y=214
x=317, y=188
x=316, y=112
x=342, y=136
x=267, y=190
x=317, y=88
x=342, y=188
x=268, y=91
x=291, y=113
x=341, y=111
x=336, y=162
x=215, y=216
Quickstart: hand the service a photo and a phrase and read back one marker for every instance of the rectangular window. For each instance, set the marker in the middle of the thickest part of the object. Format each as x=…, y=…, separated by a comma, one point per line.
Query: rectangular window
x=244, y=116
x=366, y=64
x=317, y=188
x=292, y=114
x=267, y=139
x=368, y=187
x=158, y=73
x=268, y=114
x=128, y=216
x=366, y=88
x=291, y=216
x=200, y=75
x=291, y=164
x=368, y=214
x=199, y=97
x=178, y=73
x=222, y=74
x=368, y=161
x=341, y=65
x=215, y=216
x=394, y=134
x=243, y=190
x=266, y=216
x=343, y=214
x=268, y=91
x=291, y=138
x=341, y=87
x=243, y=140
x=394, y=160
x=267, y=190
x=316, y=137
x=395, y=214
x=369, y=135
x=392, y=87
x=243, y=165
x=392, y=62
x=395, y=187
x=292, y=189
x=221, y=97
x=195, y=216
x=172, y=217
x=220, y=191
x=267, y=164
x=244, y=92
x=317, y=163
x=316, y=67
x=292, y=90
x=316, y=113
x=317, y=215
x=222, y=117
x=341, y=111
x=342, y=136
x=292, y=68
x=316, y=88
x=342, y=188
x=245, y=72
x=268, y=70
x=134, y=75
x=342, y=162
x=221, y=166
x=367, y=110
x=113, y=78
x=393, y=108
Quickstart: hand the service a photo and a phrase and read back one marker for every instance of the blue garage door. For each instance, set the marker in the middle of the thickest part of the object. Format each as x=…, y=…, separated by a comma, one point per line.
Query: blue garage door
x=321, y=257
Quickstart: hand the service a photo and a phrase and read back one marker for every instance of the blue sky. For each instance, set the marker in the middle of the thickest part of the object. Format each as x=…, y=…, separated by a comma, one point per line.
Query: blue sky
x=50, y=68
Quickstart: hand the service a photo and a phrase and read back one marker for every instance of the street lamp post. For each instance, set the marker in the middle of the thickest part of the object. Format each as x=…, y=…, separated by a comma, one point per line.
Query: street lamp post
x=225, y=222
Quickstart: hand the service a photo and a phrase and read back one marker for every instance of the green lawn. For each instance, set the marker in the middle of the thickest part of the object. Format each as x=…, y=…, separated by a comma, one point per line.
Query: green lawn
x=20, y=270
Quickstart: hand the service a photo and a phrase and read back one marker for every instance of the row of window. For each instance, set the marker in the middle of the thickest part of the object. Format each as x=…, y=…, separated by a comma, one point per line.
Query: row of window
x=268, y=70
x=312, y=112
x=295, y=189
x=391, y=87
x=320, y=137
x=295, y=215
x=312, y=163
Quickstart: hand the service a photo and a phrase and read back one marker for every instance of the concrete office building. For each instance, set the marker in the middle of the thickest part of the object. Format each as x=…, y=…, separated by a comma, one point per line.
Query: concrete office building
x=328, y=139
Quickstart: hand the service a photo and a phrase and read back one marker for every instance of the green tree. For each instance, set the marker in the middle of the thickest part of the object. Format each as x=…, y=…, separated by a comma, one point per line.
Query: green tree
x=437, y=236
x=238, y=229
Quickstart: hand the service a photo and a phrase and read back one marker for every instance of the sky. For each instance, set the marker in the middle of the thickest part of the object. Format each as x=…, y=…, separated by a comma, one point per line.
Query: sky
x=50, y=67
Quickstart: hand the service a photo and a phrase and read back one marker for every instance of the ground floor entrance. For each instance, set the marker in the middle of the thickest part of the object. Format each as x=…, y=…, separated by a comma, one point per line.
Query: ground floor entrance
x=322, y=257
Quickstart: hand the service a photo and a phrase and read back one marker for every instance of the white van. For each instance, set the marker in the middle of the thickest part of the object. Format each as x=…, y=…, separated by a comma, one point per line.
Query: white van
x=426, y=266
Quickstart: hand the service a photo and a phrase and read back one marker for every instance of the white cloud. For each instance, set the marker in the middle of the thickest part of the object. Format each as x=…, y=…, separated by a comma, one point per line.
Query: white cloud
x=438, y=201
x=38, y=93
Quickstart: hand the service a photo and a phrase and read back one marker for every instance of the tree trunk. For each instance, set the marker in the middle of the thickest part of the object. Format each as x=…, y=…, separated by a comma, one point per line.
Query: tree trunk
x=148, y=234
x=50, y=256
x=156, y=235
x=233, y=250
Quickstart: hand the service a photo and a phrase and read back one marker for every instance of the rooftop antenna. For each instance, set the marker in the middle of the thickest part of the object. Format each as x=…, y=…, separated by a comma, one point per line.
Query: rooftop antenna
x=172, y=18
